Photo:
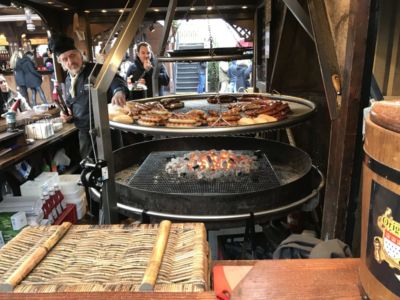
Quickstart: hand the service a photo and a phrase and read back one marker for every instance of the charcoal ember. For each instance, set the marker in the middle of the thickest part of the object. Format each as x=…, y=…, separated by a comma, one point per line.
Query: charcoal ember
x=212, y=164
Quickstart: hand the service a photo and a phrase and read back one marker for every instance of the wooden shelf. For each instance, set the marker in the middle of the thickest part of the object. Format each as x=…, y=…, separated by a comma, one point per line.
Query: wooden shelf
x=24, y=151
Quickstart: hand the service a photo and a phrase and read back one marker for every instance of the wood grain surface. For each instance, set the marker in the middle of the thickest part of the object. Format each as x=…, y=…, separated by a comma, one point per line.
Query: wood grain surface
x=109, y=296
x=301, y=279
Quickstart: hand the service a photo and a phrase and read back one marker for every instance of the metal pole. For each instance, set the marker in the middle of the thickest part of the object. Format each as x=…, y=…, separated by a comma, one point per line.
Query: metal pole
x=299, y=13
x=206, y=58
x=167, y=28
x=100, y=112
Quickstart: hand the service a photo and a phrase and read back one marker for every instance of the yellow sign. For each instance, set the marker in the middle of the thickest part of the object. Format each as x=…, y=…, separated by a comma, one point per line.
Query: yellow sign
x=39, y=41
x=3, y=40
x=387, y=246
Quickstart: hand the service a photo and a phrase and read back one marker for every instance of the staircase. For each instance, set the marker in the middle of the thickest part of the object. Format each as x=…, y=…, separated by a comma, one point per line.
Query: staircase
x=187, y=77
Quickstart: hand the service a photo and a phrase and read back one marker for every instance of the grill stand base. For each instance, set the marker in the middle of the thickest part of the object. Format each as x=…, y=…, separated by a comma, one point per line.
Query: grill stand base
x=249, y=237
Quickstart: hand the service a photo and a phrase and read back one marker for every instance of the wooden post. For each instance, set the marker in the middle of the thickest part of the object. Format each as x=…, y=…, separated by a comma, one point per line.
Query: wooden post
x=344, y=128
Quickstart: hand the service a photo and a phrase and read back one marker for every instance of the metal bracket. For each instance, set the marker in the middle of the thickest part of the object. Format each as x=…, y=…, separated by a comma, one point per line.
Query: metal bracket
x=99, y=95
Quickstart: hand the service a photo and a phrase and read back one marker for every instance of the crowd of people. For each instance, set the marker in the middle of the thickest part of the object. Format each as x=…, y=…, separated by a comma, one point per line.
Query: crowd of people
x=233, y=76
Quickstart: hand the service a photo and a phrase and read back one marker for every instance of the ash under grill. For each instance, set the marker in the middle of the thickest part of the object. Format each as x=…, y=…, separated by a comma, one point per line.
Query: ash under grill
x=151, y=176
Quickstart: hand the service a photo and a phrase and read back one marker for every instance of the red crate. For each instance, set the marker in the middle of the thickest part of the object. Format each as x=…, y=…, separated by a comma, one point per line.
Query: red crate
x=68, y=215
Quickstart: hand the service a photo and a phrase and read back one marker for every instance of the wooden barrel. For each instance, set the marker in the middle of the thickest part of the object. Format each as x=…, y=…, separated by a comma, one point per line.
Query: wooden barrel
x=380, y=234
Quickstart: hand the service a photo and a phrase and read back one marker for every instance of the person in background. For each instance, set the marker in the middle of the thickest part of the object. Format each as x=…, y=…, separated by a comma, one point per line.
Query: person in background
x=78, y=71
x=232, y=74
x=223, y=77
x=48, y=60
x=49, y=64
x=243, y=71
x=201, y=69
x=33, y=79
x=8, y=97
x=124, y=67
x=141, y=70
x=19, y=73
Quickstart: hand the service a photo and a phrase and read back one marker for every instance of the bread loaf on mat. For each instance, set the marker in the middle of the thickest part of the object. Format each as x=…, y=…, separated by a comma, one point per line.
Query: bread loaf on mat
x=386, y=114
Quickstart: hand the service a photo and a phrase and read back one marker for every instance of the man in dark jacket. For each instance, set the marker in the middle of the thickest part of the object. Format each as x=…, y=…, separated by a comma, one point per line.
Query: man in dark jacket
x=77, y=88
x=243, y=75
x=141, y=71
x=33, y=79
x=19, y=75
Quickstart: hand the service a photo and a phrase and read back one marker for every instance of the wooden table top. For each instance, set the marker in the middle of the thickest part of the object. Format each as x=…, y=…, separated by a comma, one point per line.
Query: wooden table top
x=301, y=279
x=22, y=152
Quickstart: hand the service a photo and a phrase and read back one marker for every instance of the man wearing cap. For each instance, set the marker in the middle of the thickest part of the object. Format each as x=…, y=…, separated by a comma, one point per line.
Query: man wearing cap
x=77, y=87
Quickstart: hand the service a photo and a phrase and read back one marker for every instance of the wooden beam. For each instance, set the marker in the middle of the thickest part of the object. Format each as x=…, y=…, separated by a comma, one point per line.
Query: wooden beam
x=394, y=70
x=344, y=128
x=298, y=12
x=276, y=50
x=326, y=53
x=384, y=44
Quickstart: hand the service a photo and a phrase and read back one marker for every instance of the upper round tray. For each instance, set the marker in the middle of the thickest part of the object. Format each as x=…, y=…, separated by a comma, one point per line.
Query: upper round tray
x=302, y=110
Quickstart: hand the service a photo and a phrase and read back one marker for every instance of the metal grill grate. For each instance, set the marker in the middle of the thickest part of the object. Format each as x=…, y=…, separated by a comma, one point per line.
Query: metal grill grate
x=151, y=176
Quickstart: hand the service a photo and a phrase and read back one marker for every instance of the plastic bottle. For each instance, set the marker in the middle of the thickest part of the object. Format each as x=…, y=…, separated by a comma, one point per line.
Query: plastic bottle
x=48, y=207
x=53, y=166
x=16, y=105
x=45, y=208
x=53, y=203
x=60, y=197
x=54, y=94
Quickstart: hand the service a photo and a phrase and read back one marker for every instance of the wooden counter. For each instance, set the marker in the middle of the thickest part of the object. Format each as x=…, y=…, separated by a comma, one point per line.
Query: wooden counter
x=24, y=151
x=298, y=279
x=267, y=279
x=110, y=296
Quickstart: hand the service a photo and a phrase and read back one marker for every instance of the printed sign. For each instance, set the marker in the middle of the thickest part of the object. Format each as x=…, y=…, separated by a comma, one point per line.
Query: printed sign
x=383, y=241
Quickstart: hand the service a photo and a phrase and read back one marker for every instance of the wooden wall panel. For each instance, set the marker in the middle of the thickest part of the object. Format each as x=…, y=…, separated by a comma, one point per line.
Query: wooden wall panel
x=387, y=53
x=338, y=18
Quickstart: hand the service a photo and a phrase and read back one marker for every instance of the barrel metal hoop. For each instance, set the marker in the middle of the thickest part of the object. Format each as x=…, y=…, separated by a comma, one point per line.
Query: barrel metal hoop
x=382, y=170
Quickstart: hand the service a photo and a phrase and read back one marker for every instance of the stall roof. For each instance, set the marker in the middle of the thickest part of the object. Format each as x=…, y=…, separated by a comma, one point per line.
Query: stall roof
x=226, y=9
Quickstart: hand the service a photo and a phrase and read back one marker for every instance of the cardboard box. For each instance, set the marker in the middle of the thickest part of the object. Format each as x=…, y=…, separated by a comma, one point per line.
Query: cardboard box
x=1, y=240
x=18, y=220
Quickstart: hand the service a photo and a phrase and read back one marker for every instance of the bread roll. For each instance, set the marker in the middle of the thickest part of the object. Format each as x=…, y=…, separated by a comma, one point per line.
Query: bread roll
x=246, y=121
x=267, y=118
x=386, y=114
x=112, y=115
x=121, y=118
x=115, y=109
